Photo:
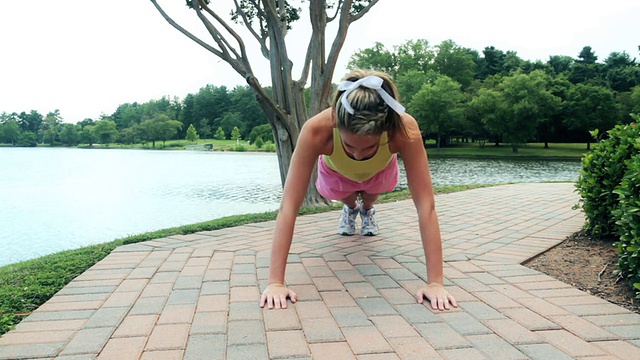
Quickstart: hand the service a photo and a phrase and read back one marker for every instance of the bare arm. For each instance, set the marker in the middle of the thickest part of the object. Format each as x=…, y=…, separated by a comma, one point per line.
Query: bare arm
x=416, y=166
x=311, y=144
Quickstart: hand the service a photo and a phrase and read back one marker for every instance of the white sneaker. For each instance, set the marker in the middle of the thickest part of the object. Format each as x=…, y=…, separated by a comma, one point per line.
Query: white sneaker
x=347, y=224
x=369, y=224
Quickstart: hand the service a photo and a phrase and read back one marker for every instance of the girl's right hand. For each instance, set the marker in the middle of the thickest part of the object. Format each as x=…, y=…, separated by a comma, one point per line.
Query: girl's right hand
x=275, y=296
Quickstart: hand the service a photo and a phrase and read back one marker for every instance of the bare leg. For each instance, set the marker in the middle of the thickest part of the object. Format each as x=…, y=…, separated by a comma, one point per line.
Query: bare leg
x=351, y=200
x=368, y=200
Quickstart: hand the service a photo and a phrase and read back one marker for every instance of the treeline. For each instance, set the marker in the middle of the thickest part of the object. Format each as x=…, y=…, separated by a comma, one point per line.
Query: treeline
x=455, y=93
x=213, y=112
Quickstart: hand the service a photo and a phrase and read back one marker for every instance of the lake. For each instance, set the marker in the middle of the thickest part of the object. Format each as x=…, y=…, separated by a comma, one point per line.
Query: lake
x=54, y=199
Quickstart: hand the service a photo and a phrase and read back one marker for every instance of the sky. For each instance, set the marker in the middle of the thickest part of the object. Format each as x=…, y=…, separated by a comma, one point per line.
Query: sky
x=84, y=58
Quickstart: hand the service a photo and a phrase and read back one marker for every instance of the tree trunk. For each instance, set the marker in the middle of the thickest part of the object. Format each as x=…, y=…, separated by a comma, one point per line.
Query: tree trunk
x=286, y=108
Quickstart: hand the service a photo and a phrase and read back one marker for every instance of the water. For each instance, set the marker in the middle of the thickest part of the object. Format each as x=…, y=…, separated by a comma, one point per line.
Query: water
x=54, y=199
x=57, y=199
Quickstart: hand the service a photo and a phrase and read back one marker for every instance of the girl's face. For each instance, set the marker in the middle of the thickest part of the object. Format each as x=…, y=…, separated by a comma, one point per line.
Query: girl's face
x=359, y=147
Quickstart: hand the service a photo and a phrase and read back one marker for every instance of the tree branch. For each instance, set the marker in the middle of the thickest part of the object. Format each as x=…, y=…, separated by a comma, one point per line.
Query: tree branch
x=184, y=31
x=243, y=56
x=331, y=18
x=359, y=15
x=260, y=39
x=215, y=34
x=340, y=37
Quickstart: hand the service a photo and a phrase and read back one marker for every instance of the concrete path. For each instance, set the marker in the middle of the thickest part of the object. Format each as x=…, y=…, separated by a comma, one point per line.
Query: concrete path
x=196, y=296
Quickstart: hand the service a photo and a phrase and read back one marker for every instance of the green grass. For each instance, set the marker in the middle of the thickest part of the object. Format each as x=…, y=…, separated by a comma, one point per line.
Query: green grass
x=462, y=150
x=26, y=285
x=218, y=145
x=527, y=151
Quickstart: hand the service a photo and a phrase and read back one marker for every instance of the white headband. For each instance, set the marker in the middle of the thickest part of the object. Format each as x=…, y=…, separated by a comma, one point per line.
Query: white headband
x=371, y=82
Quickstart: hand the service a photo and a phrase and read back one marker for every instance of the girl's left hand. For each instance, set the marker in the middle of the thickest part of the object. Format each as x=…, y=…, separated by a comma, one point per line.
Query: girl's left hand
x=439, y=297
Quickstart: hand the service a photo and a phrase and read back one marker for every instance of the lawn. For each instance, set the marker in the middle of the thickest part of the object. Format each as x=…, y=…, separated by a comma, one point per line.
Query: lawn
x=530, y=150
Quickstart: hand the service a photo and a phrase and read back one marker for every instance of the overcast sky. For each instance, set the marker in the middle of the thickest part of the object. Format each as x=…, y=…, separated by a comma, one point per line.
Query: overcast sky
x=87, y=57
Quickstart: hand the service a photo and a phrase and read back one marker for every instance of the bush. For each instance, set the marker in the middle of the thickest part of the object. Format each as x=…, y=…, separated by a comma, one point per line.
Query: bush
x=258, y=143
x=269, y=146
x=627, y=216
x=264, y=131
x=602, y=171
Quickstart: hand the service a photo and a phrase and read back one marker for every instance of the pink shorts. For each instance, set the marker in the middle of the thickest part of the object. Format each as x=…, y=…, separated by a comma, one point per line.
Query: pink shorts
x=335, y=186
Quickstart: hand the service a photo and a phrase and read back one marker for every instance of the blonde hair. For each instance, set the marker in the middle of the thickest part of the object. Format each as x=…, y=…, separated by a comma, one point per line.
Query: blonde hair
x=371, y=114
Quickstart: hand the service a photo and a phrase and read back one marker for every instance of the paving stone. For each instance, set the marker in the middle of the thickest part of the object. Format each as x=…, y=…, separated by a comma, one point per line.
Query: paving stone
x=206, y=346
x=442, y=336
x=88, y=341
x=287, y=344
x=543, y=352
x=496, y=347
x=196, y=296
x=246, y=352
x=321, y=330
x=246, y=332
x=366, y=340
x=331, y=351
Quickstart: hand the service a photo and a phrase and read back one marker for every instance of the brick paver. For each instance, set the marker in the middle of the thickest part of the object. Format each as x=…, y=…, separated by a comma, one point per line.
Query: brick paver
x=196, y=296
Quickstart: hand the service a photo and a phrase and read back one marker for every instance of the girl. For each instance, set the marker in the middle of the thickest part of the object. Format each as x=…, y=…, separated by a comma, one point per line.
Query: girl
x=356, y=143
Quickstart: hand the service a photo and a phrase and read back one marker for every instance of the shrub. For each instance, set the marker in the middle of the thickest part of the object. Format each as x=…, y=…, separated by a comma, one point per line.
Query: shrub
x=269, y=146
x=602, y=171
x=627, y=216
x=259, y=142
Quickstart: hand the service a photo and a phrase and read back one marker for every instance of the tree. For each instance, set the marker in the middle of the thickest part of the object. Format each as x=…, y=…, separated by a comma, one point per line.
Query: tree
x=512, y=62
x=489, y=106
x=455, y=62
x=219, y=135
x=105, y=131
x=205, y=129
x=560, y=64
x=262, y=131
x=27, y=139
x=30, y=122
x=48, y=130
x=229, y=121
x=622, y=72
x=528, y=101
x=11, y=131
x=410, y=83
x=414, y=55
x=492, y=63
x=160, y=127
x=192, y=134
x=70, y=134
x=258, y=143
x=268, y=22
x=235, y=134
x=374, y=58
x=591, y=107
x=437, y=107
x=587, y=56
x=211, y=103
x=586, y=70
x=243, y=102
x=635, y=99
x=169, y=129
x=88, y=136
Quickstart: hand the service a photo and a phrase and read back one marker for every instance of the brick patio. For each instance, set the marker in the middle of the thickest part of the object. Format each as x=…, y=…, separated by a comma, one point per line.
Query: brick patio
x=196, y=296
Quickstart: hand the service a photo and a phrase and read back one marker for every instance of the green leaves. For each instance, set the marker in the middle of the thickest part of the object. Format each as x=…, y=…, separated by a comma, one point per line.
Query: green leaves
x=609, y=185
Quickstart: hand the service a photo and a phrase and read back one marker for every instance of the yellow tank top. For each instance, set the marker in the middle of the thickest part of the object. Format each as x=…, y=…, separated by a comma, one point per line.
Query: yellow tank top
x=358, y=170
